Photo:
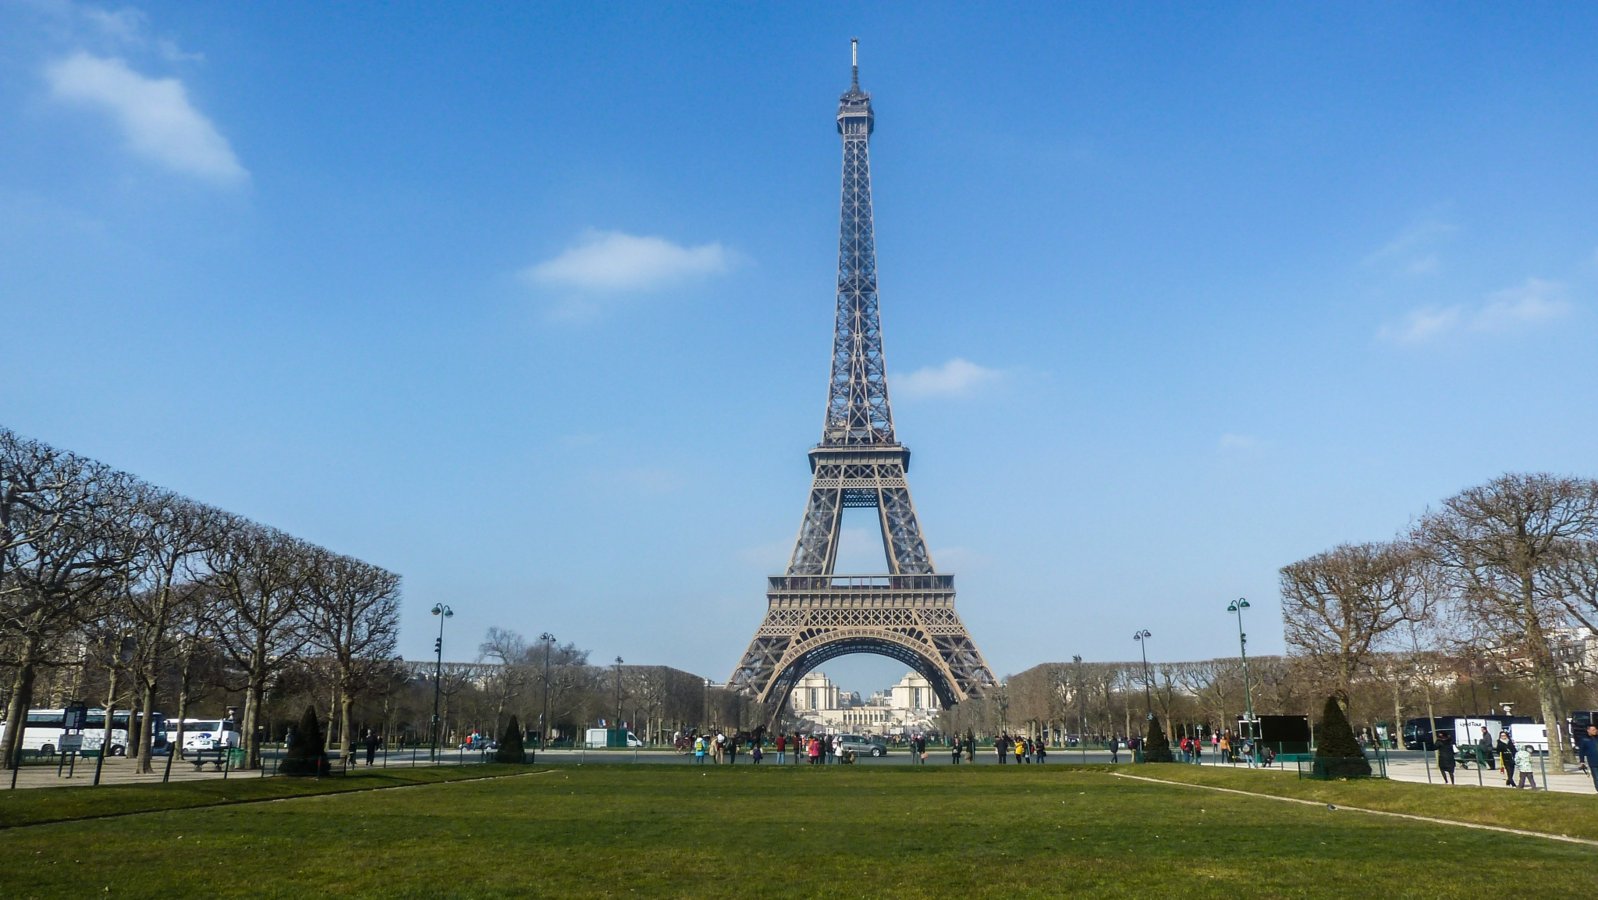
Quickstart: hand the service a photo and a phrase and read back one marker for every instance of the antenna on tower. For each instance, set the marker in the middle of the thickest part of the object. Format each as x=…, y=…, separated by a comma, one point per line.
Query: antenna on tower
x=854, y=63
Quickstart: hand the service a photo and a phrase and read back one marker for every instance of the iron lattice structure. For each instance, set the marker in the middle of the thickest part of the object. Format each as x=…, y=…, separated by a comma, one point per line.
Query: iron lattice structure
x=812, y=614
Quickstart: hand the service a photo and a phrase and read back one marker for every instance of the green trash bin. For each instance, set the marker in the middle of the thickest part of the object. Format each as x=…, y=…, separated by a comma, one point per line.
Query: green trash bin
x=235, y=758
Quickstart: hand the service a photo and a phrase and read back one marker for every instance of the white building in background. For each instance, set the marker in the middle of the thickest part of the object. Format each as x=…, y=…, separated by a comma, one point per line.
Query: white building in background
x=909, y=707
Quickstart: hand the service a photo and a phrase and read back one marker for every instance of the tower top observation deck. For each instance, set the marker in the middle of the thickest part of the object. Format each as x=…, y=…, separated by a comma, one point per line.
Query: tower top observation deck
x=854, y=107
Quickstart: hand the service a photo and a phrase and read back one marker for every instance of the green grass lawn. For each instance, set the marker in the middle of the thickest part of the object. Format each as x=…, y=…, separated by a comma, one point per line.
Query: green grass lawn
x=759, y=832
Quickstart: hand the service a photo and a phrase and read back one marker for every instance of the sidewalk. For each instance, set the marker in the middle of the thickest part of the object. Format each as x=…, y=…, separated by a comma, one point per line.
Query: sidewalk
x=121, y=770
x=1418, y=770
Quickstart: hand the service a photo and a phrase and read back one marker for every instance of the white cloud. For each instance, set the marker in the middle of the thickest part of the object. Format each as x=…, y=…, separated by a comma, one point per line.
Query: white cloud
x=955, y=378
x=154, y=114
x=1413, y=250
x=608, y=261
x=1534, y=303
x=111, y=30
x=1421, y=325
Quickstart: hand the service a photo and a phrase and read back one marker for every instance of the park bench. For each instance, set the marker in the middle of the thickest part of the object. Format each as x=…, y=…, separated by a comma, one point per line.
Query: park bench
x=214, y=757
x=1295, y=758
x=1472, y=756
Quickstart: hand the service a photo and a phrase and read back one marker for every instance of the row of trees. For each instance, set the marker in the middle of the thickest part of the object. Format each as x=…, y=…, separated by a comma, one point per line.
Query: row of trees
x=515, y=677
x=1503, y=575
x=98, y=566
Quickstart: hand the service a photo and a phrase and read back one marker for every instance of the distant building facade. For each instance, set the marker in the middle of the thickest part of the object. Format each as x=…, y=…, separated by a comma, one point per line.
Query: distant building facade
x=909, y=707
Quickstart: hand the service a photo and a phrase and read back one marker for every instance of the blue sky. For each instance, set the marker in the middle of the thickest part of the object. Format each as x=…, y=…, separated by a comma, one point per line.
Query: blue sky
x=532, y=304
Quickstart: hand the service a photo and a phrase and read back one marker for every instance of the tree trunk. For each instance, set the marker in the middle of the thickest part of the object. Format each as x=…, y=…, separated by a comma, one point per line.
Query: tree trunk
x=345, y=701
x=17, y=712
x=1553, y=713
x=141, y=742
x=253, y=696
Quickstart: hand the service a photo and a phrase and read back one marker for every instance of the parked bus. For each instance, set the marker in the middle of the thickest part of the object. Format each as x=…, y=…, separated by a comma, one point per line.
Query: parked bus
x=46, y=726
x=1418, y=733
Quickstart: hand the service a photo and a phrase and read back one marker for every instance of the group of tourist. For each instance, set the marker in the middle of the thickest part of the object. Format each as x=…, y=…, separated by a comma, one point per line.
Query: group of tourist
x=1026, y=749
x=1504, y=755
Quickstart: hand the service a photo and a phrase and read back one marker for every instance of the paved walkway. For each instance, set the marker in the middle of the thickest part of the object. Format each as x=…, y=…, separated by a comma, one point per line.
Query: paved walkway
x=120, y=770
x=1422, y=768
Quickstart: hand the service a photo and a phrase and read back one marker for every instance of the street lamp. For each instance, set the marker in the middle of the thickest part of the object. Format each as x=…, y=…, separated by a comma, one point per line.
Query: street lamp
x=1142, y=638
x=1237, y=606
x=618, y=694
x=1081, y=701
x=443, y=612
x=543, y=719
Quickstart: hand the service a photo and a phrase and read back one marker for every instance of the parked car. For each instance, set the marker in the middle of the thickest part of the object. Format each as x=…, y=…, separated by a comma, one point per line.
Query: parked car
x=864, y=745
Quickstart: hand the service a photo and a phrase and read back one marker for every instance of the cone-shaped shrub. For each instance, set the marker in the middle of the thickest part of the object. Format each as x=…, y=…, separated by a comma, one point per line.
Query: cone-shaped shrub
x=1156, y=747
x=510, y=744
x=1337, y=753
x=304, y=754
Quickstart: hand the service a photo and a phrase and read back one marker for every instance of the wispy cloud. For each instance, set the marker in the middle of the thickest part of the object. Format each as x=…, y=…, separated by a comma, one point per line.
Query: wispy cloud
x=1240, y=443
x=121, y=30
x=1533, y=303
x=955, y=378
x=1416, y=249
x=154, y=114
x=612, y=261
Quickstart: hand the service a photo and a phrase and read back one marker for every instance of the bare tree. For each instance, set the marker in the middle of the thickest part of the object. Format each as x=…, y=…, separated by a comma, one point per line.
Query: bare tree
x=1338, y=605
x=352, y=615
x=259, y=576
x=1500, y=544
x=507, y=651
x=64, y=542
x=172, y=531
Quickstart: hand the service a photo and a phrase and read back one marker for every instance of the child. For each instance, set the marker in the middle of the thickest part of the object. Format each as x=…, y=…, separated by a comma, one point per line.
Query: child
x=1523, y=766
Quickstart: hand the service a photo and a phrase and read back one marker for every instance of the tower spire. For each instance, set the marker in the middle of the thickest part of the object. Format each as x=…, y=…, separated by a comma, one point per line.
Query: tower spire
x=857, y=401
x=854, y=64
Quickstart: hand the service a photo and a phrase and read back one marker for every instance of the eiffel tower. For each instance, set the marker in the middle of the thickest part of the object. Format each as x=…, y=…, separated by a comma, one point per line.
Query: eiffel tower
x=812, y=614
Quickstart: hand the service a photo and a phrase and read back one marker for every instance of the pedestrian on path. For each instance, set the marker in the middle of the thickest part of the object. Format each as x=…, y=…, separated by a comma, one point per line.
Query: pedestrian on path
x=1445, y=758
x=782, y=741
x=1587, y=751
x=1506, y=755
x=1523, y=763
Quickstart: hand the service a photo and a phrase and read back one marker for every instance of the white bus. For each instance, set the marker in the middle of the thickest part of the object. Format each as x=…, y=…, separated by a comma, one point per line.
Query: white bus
x=46, y=726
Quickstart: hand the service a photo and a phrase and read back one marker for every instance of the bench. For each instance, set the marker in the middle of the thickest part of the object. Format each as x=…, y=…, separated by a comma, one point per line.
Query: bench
x=216, y=758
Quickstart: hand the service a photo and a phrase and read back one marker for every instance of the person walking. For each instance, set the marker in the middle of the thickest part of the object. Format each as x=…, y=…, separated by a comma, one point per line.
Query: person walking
x=1002, y=747
x=1445, y=758
x=1523, y=765
x=1038, y=752
x=371, y=747
x=1506, y=755
x=782, y=740
x=1020, y=750
x=1587, y=752
x=1115, y=748
x=1484, y=749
